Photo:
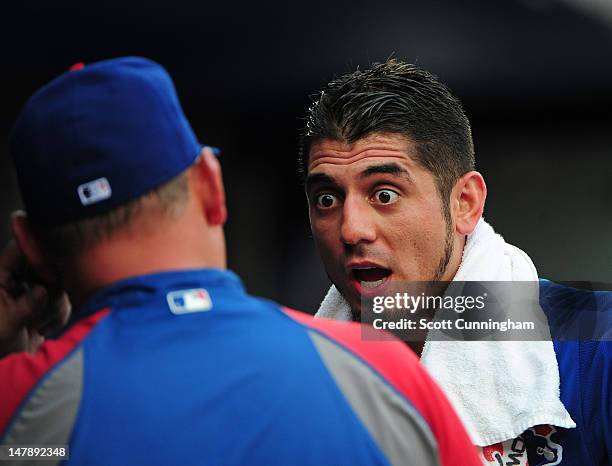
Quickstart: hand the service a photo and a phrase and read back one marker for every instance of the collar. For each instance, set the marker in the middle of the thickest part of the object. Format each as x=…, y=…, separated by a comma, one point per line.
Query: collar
x=140, y=290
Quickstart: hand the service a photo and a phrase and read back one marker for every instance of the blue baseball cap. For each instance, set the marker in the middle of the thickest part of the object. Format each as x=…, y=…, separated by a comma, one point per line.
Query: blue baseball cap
x=97, y=137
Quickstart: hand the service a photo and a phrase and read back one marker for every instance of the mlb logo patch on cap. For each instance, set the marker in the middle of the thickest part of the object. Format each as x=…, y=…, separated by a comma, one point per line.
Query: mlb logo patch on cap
x=97, y=137
x=94, y=191
x=188, y=301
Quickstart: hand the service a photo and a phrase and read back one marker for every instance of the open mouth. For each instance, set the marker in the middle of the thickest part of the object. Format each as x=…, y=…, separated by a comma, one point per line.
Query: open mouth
x=371, y=277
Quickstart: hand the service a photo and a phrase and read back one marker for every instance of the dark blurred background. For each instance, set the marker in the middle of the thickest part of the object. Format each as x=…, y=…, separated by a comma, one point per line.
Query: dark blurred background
x=535, y=78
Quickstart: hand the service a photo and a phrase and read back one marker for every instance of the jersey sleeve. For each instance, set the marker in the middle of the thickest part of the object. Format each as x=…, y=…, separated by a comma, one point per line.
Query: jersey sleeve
x=596, y=386
x=21, y=372
x=400, y=367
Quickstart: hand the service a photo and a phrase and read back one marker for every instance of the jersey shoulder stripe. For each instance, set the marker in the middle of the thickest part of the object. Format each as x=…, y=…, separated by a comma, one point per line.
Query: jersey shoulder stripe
x=26, y=371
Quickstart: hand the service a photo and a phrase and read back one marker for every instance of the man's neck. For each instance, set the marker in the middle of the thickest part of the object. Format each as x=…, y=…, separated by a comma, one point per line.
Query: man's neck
x=130, y=256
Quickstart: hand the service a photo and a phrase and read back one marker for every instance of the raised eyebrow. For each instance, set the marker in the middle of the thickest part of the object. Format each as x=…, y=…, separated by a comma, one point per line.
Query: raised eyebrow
x=319, y=178
x=386, y=168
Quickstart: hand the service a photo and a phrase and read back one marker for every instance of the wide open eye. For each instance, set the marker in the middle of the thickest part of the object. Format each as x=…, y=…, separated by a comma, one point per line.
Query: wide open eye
x=385, y=196
x=326, y=201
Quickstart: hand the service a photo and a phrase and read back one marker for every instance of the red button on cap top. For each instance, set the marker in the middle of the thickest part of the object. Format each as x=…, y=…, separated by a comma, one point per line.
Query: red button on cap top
x=77, y=66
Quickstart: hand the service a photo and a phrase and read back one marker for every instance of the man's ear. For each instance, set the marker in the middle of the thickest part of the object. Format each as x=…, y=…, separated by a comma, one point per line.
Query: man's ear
x=31, y=248
x=209, y=187
x=468, y=200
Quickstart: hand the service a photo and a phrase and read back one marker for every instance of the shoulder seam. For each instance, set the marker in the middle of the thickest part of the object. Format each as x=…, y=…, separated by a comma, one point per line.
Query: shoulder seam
x=44, y=377
x=360, y=359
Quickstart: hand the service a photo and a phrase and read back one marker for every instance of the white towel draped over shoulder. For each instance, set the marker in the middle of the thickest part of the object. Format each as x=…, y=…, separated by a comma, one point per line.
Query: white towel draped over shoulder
x=498, y=388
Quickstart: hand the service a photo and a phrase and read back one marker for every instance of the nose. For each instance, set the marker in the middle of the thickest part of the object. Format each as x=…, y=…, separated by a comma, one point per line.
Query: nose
x=358, y=223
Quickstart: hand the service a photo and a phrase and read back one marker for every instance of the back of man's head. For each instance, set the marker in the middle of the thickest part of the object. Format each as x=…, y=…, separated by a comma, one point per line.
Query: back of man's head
x=395, y=97
x=103, y=151
x=98, y=137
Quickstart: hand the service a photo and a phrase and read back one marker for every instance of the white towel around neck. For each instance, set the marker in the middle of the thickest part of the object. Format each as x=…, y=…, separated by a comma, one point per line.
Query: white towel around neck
x=498, y=388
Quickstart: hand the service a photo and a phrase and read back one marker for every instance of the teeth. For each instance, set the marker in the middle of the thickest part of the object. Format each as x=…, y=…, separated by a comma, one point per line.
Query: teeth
x=373, y=284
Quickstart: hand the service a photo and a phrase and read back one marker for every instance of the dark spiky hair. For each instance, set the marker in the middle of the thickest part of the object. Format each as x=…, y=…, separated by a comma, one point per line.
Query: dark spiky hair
x=395, y=97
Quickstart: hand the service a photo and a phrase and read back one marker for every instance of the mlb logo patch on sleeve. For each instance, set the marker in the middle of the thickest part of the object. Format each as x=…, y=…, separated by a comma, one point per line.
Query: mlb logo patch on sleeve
x=188, y=301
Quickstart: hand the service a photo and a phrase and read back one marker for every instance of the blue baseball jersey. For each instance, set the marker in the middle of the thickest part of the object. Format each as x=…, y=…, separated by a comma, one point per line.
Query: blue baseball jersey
x=585, y=370
x=187, y=368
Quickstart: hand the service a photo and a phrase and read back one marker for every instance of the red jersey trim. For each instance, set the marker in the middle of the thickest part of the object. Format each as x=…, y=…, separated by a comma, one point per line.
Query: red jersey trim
x=400, y=367
x=21, y=372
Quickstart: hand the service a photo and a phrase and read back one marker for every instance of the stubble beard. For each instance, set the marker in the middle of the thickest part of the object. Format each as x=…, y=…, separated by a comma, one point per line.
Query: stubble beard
x=448, y=248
